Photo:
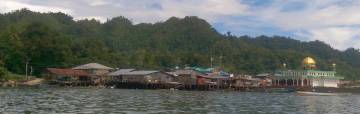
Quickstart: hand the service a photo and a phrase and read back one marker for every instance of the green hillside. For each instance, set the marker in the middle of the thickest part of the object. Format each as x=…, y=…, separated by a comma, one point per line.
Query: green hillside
x=56, y=40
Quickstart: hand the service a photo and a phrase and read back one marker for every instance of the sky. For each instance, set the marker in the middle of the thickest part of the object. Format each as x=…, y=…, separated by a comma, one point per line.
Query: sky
x=336, y=22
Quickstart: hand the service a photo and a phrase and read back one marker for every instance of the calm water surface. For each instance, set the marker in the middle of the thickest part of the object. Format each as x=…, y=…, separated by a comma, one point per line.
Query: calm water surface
x=91, y=100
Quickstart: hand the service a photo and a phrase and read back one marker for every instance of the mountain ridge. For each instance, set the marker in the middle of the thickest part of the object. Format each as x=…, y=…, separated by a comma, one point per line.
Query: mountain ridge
x=56, y=40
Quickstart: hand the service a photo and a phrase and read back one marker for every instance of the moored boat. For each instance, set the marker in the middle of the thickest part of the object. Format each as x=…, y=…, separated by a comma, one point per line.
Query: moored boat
x=309, y=93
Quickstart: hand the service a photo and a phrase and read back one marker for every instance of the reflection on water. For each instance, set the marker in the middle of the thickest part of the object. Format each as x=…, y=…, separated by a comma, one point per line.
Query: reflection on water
x=90, y=100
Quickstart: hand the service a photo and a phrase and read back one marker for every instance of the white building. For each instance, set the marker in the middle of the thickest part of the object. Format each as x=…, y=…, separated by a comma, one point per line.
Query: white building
x=309, y=77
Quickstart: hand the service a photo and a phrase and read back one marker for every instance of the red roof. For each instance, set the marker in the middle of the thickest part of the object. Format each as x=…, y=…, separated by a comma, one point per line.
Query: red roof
x=69, y=72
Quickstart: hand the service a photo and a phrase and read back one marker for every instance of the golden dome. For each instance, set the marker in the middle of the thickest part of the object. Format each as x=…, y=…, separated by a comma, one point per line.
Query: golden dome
x=309, y=61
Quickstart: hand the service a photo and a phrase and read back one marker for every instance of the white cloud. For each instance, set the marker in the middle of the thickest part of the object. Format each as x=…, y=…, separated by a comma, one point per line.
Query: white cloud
x=314, y=15
x=157, y=10
x=340, y=37
x=97, y=2
x=331, y=21
x=8, y=6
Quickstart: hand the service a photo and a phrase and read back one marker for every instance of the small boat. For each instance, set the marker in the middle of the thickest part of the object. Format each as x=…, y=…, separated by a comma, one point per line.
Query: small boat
x=309, y=93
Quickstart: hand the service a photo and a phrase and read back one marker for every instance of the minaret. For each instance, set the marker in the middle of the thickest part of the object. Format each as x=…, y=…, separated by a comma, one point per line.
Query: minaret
x=334, y=66
x=284, y=66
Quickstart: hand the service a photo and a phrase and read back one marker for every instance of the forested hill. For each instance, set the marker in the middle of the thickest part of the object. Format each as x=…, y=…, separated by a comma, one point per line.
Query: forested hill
x=56, y=40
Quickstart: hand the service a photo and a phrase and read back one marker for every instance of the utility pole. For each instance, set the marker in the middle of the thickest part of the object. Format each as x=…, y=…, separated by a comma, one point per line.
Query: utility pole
x=211, y=62
x=221, y=57
x=31, y=70
x=26, y=69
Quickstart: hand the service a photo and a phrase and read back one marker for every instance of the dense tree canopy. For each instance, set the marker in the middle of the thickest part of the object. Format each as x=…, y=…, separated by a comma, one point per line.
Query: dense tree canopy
x=56, y=40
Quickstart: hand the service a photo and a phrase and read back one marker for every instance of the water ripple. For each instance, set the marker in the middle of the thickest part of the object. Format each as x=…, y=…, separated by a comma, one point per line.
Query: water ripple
x=91, y=100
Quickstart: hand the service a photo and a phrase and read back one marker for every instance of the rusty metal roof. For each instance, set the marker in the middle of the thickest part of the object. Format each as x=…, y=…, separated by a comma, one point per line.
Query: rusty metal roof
x=69, y=72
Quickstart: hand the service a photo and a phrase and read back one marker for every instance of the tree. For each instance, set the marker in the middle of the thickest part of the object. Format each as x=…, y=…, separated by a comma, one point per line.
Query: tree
x=56, y=40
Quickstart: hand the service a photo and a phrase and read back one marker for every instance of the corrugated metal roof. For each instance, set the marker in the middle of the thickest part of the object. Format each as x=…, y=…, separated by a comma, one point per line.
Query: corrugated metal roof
x=69, y=72
x=120, y=72
x=131, y=72
x=92, y=66
x=263, y=74
x=213, y=77
x=179, y=72
x=184, y=72
x=140, y=72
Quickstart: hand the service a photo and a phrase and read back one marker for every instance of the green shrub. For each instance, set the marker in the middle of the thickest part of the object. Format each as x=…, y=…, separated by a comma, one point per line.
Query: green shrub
x=6, y=75
x=3, y=73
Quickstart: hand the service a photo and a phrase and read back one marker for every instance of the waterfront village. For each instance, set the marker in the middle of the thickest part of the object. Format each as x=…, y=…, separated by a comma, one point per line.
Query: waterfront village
x=193, y=78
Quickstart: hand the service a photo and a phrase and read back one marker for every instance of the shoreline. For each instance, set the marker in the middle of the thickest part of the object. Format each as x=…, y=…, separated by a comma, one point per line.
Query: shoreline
x=42, y=84
x=16, y=83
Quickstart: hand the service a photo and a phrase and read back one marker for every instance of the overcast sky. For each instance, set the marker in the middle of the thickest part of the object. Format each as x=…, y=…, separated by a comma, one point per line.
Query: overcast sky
x=336, y=22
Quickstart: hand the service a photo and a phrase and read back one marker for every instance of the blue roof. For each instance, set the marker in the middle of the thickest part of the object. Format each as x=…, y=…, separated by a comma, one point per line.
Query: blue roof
x=210, y=70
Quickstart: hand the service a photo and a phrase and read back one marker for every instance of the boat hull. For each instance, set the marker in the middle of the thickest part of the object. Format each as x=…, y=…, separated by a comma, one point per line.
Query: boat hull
x=308, y=93
x=330, y=90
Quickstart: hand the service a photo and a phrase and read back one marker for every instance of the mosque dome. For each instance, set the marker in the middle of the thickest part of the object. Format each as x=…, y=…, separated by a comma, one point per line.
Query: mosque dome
x=309, y=63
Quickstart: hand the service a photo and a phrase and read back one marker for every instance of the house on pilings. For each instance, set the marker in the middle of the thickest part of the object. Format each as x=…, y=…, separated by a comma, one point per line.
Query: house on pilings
x=67, y=77
x=131, y=78
x=97, y=72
